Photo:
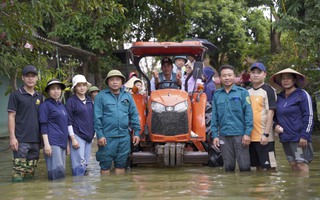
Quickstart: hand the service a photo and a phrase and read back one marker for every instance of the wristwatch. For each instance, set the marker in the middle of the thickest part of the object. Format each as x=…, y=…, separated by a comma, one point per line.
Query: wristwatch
x=266, y=134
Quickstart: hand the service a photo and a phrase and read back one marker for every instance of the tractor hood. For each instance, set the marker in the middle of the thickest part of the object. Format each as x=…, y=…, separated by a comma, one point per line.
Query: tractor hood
x=169, y=97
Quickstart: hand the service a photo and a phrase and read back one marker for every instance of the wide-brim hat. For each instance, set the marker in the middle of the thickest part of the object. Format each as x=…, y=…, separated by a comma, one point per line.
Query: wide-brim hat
x=93, y=88
x=52, y=82
x=130, y=82
x=181, y=57
x=113, y=73
x=275, y=80
x=79, y=79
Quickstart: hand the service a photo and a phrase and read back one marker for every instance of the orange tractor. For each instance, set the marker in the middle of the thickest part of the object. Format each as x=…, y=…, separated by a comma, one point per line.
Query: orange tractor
x=169, y=117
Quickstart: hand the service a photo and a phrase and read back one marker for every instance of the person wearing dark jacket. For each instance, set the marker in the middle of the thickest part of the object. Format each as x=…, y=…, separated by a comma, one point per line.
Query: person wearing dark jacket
x=209, y=85
x=53, y=119
x=80, y=125
x=294, y=118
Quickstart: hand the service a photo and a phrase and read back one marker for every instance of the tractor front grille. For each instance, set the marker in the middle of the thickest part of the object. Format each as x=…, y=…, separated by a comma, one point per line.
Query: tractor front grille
x=169, y=123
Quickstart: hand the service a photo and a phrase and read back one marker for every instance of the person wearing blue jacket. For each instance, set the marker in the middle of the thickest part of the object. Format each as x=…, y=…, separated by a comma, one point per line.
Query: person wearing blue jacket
x=53, y=119
x=231, y=122
x=209, y=85
x=115, y=113
x=293, y=119
x=80, y=125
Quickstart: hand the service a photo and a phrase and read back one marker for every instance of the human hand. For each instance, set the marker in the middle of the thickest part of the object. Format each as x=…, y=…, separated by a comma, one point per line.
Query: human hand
x=246, y=140
x=75, y=143
x=264, y=140
x=216, y=143
x=155, y=74
x=278, y=129
x=303, y=143
x=102, y=142
x=135, y=140
x=48, y=150
x=14, y=144
x=179, y=82
x=179, y=75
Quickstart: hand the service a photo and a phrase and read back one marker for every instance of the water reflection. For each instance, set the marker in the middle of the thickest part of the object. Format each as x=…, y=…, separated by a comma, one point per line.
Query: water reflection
x=188, y=182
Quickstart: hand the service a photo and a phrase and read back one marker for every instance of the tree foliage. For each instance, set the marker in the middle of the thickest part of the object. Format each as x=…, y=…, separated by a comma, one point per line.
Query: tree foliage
x=238, y=28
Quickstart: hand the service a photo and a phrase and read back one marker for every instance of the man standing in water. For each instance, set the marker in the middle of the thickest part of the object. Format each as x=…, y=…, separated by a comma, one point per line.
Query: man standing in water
x=114, y=112
x=231, y=122
x=23, y=126
x=263, y=103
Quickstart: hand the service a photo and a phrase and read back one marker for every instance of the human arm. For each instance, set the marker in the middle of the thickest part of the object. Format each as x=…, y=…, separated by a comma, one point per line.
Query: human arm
x=264, y=140
x=12, y=108
x=307, y=119
x=98, y=114
x=74, y=141
x=14, y=144
x=179, y=78
x=271, y=105
x=44, y=111
x=69, y=107
x=247, y=111
x=248, y=118
x=47, y=147
x=277, y=127
x=155, y=80
x=214, y=124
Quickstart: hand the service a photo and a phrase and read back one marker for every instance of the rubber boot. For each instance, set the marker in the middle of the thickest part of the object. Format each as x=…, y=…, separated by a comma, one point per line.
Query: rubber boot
x=30, y=169
x=19, y=169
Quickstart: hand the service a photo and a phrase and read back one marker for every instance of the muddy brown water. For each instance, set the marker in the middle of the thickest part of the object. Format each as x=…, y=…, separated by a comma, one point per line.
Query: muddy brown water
x=150, y=182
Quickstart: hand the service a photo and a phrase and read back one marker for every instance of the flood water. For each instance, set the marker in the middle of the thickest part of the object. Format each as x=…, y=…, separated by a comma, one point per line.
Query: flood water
x=188, y=182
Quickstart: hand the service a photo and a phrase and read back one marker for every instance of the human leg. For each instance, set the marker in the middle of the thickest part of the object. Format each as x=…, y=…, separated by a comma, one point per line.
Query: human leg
x=56, y=164
x=266, y=155
x=105, y=155
x=242, y=154
x=19, y=169
x=254, y=159
x=32, y=160
x=123, y=150
x=298, y=158
x=228, y=154
x=20, y=162
x=87, y=154
x=119, y=171
x=77, y=155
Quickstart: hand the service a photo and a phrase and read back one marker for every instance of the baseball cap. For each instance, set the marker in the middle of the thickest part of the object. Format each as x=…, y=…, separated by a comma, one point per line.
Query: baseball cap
x=258, y=65
x=166, y=59
x=29, y=69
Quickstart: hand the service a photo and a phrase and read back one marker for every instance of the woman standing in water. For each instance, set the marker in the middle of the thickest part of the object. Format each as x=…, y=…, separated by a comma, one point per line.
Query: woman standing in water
x=54, y=129
x=80, y=125
x=294, y=118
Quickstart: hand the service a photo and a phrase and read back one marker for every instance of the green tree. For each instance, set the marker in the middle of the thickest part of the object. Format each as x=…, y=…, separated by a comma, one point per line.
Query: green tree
x=231, y=26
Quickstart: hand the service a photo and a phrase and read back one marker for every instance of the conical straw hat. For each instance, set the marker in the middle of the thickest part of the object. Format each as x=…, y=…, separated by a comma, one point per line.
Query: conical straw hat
x=275, y=80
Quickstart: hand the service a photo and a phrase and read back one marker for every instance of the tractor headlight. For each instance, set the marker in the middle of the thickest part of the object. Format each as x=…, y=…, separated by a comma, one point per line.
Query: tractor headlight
x=180, y=107
x=157, y=107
